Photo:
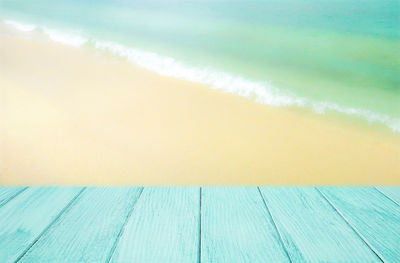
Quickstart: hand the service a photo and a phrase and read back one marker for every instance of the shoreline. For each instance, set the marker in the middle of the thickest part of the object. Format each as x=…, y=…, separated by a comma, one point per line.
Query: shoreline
x=260, y=92
x=98, y=120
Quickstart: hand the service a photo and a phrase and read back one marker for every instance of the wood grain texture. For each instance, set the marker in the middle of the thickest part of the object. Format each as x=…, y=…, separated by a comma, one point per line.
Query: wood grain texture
x=7, y=193
x=24, y=219
x=87, y=231
x=173, y=224
x=164, y=227
x=311, y=229
x=236, y=227
x=374, y=216
x=392, y=193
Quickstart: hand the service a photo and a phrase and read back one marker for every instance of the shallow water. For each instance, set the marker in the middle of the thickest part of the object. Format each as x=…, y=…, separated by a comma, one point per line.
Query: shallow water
x=325, y=55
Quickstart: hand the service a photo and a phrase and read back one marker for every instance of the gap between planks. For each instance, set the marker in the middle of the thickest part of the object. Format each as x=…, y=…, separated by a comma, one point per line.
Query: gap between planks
x=273, y=222
x=350, y=225
x=70, y=204
x=121, y=232
x=385, y=195
x=13, y=196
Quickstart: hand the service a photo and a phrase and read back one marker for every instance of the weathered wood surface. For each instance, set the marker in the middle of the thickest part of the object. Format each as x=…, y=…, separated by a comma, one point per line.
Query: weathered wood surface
x=393, y=193
x=8, y=193
x=311, y=229
x=88, y=230
x=164, y=227
x=26, y=217
x=375, y=218
x=236, y=227
x=192, y=224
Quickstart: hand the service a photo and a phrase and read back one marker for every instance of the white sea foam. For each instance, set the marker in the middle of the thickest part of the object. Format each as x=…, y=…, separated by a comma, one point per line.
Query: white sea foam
x=65, y=38
x=166, y=66
x=261, y=92
x=20, y=26
x=72, y=39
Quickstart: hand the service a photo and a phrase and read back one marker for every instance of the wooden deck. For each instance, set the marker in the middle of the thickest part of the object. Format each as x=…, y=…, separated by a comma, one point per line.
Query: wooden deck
x=193, y=224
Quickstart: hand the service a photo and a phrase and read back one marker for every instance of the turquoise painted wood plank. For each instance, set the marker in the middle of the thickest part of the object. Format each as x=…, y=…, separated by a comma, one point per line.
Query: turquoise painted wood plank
x=311, y=229
x=164, y=227
x=392, y=193
x=375, y=217
x=236, y=227
x=27, y=216
x=7, y=193
x=88, y=230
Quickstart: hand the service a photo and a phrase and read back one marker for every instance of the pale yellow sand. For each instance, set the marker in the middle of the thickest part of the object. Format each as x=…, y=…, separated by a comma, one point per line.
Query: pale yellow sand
x=71, y=116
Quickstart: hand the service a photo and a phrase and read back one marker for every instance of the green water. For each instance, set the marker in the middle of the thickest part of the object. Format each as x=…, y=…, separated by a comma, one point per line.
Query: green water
x=343, y=52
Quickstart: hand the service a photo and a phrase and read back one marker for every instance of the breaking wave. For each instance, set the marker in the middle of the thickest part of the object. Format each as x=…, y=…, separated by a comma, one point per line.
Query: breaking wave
x=261, y=92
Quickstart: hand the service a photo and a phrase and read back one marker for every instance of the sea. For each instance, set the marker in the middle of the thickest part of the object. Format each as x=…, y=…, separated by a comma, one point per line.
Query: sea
x=339, y=56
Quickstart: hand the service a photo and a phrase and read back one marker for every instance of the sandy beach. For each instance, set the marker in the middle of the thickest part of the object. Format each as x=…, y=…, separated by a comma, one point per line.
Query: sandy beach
x=78, y=117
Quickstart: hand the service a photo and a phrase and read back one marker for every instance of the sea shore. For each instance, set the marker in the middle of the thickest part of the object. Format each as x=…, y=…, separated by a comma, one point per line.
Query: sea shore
x=73, y=116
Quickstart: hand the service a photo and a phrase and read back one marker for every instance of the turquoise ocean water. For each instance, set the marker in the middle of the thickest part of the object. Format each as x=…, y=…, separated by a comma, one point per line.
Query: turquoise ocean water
x=325, y=55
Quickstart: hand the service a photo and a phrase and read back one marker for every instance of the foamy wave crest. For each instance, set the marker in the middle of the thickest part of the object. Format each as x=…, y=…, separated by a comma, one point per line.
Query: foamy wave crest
x=261, y=92
x=166, y=66
x=72, y=39
x=65, y=38
x=20, y=26
x=372, y=117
